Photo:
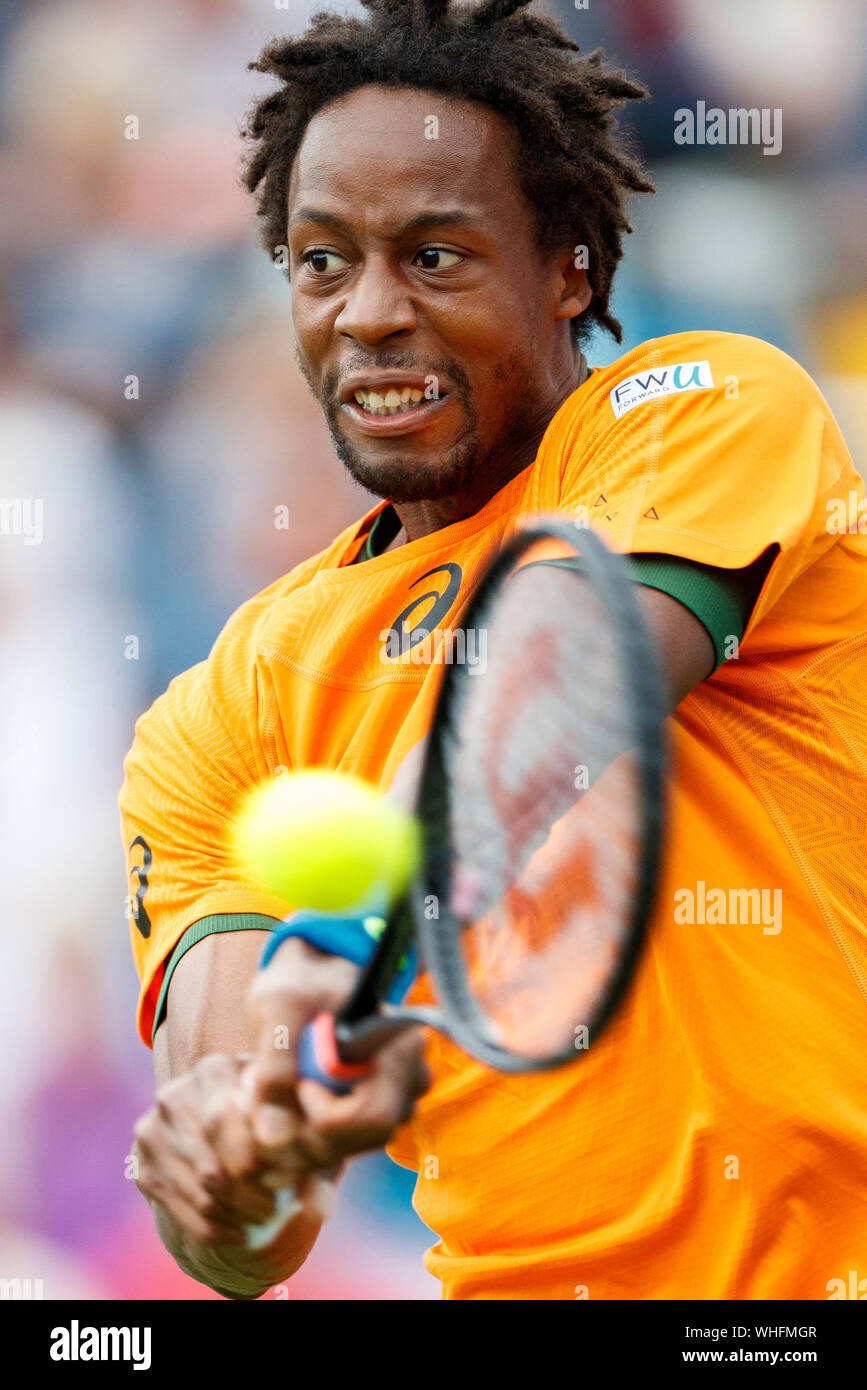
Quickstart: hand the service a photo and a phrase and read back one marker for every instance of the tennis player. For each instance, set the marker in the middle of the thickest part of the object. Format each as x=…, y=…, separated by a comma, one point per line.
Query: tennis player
x=452, y=190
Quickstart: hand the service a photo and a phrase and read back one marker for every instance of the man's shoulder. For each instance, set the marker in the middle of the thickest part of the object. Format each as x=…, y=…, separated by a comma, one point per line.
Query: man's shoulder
x=682, y=355
x=687, y=373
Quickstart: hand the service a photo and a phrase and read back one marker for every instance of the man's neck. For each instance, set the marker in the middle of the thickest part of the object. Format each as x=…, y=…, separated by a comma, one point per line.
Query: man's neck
x=423, y=518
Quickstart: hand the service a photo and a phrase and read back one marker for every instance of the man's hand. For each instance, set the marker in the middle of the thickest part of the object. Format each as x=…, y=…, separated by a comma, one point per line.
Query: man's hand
x=300, y=1127
x=229, y=1127
x=197, y=1156
x=200, y=1170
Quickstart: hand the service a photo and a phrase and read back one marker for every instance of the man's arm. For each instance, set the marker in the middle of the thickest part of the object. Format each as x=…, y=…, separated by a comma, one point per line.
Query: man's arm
x=200, y=1170
x=687, y=655
x=205, y=1150
x=208, y=989
x=206, y=1154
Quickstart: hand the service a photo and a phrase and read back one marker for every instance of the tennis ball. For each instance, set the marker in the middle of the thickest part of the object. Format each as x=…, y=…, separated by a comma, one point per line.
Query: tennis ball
x=326, y=841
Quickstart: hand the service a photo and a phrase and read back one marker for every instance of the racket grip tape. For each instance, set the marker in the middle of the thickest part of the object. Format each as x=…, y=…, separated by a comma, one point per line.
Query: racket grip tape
x=319, y=1058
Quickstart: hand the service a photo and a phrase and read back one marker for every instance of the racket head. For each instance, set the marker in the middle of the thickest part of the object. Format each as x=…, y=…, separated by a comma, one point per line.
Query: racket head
x=532, y=904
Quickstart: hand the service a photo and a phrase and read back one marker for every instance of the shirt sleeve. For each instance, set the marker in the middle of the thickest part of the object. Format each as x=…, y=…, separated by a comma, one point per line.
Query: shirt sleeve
x=726, y=450
x=206, y=926
x=195, y=754
x=721, y=599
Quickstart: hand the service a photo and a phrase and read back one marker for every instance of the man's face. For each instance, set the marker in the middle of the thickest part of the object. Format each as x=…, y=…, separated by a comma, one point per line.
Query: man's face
x=416, y=276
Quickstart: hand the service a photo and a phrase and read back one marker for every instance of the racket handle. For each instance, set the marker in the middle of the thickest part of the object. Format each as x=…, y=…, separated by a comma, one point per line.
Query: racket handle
x=319, y=1058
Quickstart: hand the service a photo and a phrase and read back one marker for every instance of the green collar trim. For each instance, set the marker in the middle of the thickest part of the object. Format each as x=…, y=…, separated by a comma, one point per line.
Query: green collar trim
x=384, y=527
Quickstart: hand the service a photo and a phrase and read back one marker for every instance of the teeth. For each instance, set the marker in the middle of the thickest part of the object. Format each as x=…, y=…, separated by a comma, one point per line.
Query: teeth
x=391, y=403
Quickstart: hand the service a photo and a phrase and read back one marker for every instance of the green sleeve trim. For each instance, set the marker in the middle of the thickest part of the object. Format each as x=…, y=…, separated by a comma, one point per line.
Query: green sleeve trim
x=206, y=926
x=722, y=600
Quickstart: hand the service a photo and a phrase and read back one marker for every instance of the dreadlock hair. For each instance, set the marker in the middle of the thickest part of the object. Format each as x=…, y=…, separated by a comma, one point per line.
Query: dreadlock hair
x=575, y=167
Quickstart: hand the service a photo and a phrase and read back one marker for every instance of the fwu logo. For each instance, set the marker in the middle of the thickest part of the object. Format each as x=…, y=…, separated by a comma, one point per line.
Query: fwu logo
x=77, y=1343
x=665, y=381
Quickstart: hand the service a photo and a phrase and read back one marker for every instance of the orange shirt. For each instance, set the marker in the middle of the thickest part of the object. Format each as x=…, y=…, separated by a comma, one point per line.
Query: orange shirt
x=712, y=1143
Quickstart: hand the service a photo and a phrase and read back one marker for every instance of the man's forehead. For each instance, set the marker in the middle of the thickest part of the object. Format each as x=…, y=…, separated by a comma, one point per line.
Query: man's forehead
x=427, y=144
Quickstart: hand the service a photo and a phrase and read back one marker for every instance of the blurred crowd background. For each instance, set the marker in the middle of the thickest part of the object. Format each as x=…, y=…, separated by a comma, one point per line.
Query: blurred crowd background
x=123, y=258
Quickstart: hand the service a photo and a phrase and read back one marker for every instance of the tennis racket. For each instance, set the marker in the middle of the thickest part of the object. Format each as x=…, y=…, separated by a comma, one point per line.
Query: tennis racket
x=540, y=802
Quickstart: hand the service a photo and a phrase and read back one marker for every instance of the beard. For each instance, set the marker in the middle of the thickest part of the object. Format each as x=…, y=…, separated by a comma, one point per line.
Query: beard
x=409, y=478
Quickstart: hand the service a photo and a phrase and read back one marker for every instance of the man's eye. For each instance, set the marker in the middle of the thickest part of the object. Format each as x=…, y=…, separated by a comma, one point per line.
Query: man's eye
x=437, y=258
x=318, y=261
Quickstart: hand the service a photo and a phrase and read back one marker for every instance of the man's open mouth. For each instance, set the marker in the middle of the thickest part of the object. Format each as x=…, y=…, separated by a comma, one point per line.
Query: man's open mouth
x=394, y=401
x=391, y=406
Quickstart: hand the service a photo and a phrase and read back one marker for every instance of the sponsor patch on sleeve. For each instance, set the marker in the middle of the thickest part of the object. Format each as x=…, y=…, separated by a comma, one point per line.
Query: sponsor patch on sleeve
x=662, y=381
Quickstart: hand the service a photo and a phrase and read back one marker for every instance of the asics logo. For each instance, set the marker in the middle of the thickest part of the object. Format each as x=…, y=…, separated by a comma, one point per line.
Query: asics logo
x=404, y=634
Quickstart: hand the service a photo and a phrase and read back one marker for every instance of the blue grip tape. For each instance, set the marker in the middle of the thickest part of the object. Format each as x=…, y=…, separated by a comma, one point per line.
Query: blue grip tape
x=353, y=938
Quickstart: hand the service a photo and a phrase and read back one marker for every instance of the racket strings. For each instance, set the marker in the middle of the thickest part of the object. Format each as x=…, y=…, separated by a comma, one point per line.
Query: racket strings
x=545, y=810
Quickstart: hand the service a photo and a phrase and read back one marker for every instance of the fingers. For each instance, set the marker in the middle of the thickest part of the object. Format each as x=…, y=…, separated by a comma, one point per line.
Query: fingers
x=202, y=1160
x=167, y=1178
x=404, y=1062
x=298, y=1125
x=299, y=983
x=285, y=1142
x=197, y=1156
x=224, y=1125
x=377, y=1105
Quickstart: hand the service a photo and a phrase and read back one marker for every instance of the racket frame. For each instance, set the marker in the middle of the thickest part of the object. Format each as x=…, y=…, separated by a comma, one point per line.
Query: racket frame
x=363, y=1023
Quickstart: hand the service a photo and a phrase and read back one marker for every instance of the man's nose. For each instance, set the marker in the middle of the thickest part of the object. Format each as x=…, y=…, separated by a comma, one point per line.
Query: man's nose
x=377, y=305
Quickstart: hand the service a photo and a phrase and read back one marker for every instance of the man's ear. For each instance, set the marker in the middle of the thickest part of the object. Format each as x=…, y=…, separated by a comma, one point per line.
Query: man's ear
x=575, y=291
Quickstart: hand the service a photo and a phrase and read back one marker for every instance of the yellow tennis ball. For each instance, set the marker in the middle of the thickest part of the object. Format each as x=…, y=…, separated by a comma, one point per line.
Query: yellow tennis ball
x=327, y=841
